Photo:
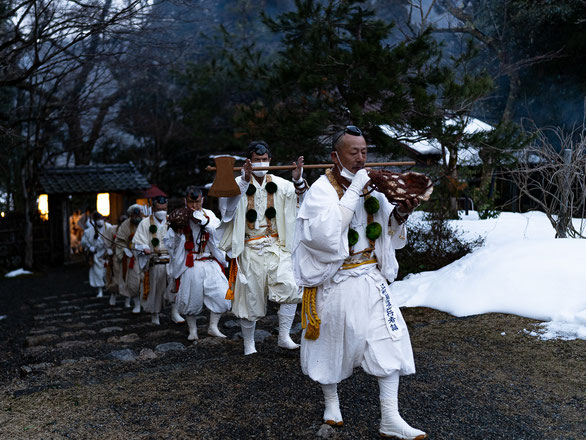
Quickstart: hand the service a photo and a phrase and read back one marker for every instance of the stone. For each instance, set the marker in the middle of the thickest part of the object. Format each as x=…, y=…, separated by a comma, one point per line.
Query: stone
x=161, y=333
x=41, y=366
x=325, y=431
x=211, y=341
x=48, y=329
x=31, y=341
x=78, y=333
x=25, y=370
x=296, y=329
x=125, y=339
x=259, y=335
x=111, y=329
x=73, y=344
x=272, y=320
x=68, y=361
x=231, y=324
x=147, y=354
x=122, y=355
x=170, y=346
x=38, y=349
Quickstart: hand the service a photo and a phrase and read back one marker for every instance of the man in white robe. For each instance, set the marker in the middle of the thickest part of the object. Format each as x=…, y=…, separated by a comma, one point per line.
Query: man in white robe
x=153, y=258
x=347, y=255
x=258, y=233
x=197, y=266
x=114, y=267
x=127, y=255
x=94, y=243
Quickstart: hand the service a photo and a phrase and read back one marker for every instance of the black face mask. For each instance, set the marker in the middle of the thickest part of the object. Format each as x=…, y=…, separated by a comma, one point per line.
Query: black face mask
x=136, y=220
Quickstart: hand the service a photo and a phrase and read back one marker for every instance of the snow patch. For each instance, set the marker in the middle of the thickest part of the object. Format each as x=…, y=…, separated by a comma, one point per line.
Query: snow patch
x=17, y=272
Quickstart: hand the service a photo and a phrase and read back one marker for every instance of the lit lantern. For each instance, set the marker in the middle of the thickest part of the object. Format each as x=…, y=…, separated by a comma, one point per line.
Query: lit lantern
x=43, y=206
x=103, y=204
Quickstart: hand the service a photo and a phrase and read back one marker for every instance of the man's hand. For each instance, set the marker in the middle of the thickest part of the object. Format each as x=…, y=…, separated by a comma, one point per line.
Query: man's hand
x=147, y=251
x=407, y=206
x=198, y=216
x=247, y=170
x=298, y=171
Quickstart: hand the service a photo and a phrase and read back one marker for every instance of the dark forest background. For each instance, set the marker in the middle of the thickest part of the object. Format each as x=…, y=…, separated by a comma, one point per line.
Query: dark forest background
x=166, y=84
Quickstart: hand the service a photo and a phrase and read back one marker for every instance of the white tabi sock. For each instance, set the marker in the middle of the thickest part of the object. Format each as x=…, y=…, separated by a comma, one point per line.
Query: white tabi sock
x=175, y=316
x=192, y=324
x=213, y=327
x=112, y=299
x=247, y=328
x=136, y=308
x=127, y=303
x=392, y=424
x=286, y=317
x=332, y=414
x=155, y=319
x=100, y=293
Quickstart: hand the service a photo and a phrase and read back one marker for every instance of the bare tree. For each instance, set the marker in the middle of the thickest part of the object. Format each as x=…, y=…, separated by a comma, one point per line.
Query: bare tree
x=52, y=66
x=551, y=172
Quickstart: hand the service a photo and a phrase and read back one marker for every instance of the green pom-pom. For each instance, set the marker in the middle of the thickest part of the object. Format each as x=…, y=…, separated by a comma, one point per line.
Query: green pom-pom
x=371, y=205
x=270, y=213
x=373, y=231
x=352, y=237
x=271, y=187
x=251, y=190
x=251, y=215
x=152, y=229
x=155, y=242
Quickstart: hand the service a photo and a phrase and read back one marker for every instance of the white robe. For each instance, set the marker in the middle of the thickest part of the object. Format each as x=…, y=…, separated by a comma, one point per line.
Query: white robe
x=130, y=286
x=158, y=276
x=205, y=282
x=97, y=272
x=360, y=323
x=264, y=264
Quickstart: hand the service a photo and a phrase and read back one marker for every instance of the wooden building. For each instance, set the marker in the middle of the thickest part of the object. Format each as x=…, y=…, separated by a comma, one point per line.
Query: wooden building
x=73, y=192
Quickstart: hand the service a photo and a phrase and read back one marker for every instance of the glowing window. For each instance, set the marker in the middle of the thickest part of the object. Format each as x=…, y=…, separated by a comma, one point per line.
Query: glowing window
x=43, y=206
x=103, y=204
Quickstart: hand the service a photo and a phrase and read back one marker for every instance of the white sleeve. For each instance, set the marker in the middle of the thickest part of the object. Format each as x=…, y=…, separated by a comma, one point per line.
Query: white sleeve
x=228, y=205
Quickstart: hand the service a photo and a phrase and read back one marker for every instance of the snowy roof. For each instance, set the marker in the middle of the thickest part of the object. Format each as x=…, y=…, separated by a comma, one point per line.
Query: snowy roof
x=431, y=147
x=92, y=179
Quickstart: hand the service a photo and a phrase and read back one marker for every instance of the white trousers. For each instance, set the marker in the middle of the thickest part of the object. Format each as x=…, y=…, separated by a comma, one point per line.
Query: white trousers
x=204, y=283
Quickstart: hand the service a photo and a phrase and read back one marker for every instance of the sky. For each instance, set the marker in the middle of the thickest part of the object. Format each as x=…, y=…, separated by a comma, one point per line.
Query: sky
x=521, y=269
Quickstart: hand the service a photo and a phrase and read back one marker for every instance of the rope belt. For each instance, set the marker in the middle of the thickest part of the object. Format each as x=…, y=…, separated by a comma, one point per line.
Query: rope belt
x=309, y=318
x=262, y=236
x=349, y=265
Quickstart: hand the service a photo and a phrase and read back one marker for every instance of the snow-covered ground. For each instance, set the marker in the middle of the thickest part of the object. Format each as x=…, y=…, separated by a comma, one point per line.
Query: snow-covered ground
x=521, y=269
x=16, y=273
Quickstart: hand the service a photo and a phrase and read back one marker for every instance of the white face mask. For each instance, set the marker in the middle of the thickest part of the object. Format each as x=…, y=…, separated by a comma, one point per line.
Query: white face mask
x=99, y=223
x=259, y=173
x=344, y=172
x=161, y=215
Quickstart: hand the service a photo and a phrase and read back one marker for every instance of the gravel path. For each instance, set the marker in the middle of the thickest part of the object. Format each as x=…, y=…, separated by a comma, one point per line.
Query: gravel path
x=73, y=367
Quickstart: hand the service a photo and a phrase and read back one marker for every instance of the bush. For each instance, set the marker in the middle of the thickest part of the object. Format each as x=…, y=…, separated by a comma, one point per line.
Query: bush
x=433, y=244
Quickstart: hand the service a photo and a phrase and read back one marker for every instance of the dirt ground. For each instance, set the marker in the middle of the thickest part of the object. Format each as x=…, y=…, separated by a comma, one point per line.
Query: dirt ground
x=478, y=377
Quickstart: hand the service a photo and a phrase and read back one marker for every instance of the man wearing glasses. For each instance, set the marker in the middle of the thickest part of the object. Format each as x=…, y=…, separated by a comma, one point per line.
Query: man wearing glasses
x=259, y=226
x=153, y=258
x=197, y=265
x=344, y=253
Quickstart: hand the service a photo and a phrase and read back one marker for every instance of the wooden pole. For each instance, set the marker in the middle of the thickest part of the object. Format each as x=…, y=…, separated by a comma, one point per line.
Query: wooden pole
x=319, y=166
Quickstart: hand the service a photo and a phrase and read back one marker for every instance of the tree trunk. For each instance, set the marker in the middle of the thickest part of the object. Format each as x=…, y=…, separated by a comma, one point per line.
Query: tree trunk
x=514, y=87
x=28, y=224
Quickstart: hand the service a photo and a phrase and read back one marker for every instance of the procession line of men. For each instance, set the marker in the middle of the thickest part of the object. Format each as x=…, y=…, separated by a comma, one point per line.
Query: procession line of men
x=332, y=246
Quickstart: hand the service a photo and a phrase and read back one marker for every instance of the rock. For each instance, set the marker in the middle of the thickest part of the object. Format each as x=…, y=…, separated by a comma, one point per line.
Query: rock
x=31, y=341
x=146, y=354
x=296, y=329
x=73, y=344
x=122, y=355
x=25, y=370
x=68, y=361
x=31, y=351
x=41, y=366
x=211, y=341
x=75, y=325
x=111, y=321
x=231, y=324
x=78, y=333
x=259, y=335
x=111, y=329
x=325, y=431
x=86, y=359
x=131, y=337
x=271, y=320
x=48, y=329
x=169, y=346
x=160, y=333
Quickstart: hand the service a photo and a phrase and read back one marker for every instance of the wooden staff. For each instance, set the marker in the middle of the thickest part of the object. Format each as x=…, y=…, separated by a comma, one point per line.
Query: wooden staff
x=224, y=184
